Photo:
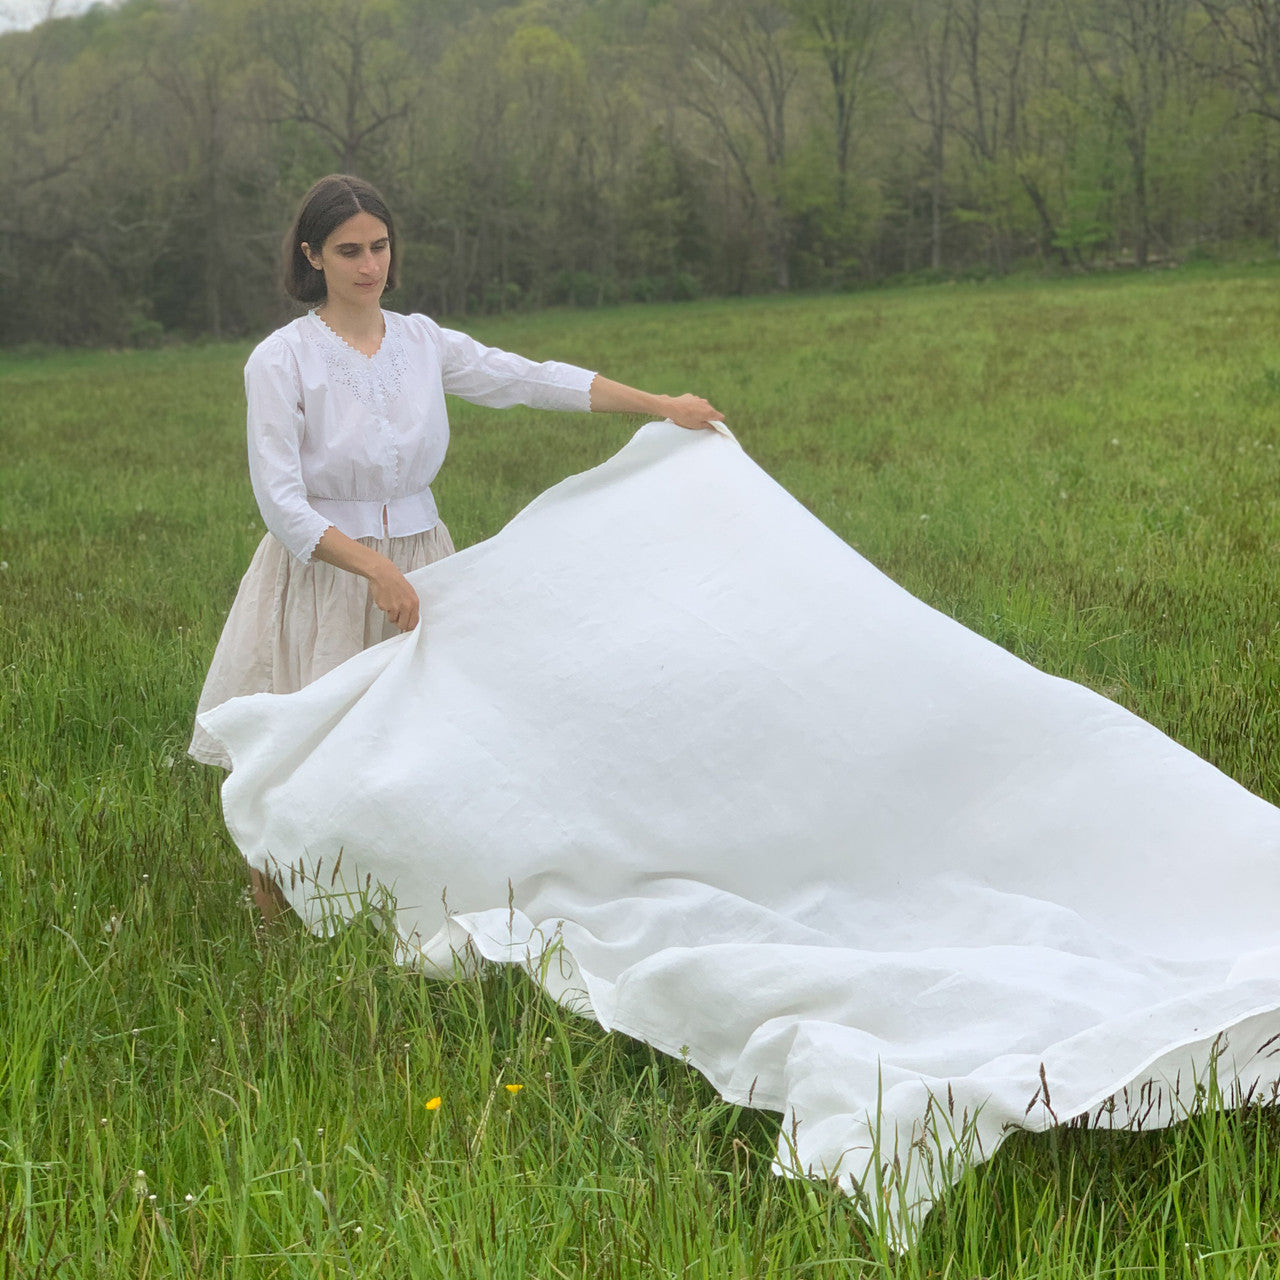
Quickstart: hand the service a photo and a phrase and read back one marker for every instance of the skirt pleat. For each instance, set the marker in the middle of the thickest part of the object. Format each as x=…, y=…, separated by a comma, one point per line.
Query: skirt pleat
x=293, y=622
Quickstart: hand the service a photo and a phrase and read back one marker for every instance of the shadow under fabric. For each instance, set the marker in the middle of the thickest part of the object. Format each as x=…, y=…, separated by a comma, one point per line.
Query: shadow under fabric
x=722, y=785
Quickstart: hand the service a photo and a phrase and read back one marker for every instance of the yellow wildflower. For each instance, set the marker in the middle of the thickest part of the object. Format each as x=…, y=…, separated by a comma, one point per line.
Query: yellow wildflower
x=513, y=1088
x=432, y=1104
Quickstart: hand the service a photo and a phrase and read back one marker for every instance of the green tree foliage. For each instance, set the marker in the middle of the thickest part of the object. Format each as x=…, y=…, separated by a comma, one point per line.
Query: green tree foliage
x=581, y=152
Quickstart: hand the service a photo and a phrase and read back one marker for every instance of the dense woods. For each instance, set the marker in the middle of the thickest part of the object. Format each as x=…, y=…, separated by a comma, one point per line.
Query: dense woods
x=590, y=151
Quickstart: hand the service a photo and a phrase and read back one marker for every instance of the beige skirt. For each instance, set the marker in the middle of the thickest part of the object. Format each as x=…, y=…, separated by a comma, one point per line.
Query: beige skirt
x=292, y=622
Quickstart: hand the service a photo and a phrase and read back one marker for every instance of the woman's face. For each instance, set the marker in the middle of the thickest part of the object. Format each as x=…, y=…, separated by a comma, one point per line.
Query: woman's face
x=355, y=260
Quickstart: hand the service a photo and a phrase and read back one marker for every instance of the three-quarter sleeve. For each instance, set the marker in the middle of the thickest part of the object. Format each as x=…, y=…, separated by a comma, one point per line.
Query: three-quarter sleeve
x=275, y=423
x=500, y=379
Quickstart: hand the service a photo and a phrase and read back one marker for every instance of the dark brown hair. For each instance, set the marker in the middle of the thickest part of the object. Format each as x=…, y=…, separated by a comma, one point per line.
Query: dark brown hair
x=329, y=203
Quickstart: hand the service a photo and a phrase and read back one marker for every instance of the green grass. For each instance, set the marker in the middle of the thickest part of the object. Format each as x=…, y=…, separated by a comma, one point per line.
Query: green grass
x=1086, y=472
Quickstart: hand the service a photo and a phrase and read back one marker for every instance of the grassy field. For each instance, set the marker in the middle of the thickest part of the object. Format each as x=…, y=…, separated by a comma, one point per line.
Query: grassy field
x=1086, y=472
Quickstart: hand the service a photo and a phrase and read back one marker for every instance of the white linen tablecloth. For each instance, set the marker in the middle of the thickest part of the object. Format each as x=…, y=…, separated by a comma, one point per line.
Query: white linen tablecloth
x=718, y=781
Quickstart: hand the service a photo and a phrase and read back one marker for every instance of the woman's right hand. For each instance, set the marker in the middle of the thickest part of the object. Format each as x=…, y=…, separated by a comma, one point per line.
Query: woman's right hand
x=394, y=596
x=391, y=591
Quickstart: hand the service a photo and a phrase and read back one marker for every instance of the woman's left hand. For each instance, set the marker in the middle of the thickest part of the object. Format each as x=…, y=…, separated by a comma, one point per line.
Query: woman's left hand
x=692, y=412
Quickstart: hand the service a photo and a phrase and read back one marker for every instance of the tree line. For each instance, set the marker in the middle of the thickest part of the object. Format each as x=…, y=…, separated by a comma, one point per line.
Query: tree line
x=585, y=152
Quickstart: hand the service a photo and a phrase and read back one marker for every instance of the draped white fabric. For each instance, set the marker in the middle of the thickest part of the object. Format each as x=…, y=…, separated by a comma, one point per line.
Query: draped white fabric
x=672, y=743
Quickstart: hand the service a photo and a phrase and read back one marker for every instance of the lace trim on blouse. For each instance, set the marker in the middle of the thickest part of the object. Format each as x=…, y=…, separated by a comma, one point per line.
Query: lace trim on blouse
x=310, y=552
x=373, y=380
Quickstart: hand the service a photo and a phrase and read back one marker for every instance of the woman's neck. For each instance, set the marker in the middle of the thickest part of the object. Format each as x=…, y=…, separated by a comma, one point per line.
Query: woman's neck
x=358, y=325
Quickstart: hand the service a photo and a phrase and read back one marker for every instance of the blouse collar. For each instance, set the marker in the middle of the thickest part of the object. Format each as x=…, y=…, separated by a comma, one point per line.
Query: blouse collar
x=335, y=336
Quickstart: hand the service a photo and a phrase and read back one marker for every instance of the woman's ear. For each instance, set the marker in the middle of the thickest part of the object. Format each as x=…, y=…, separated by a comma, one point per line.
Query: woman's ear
x=311, y=258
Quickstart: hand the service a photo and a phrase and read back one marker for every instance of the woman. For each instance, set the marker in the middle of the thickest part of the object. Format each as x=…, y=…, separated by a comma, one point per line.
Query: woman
x=347, y=429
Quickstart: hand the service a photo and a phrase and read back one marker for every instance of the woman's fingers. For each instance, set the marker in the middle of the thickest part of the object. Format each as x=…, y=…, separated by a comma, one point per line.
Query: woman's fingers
x=395, y=597
x=405, y=616
x=693, y=412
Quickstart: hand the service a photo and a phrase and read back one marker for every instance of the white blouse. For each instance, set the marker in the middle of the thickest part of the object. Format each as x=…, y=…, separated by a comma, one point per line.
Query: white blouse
x=340, y=438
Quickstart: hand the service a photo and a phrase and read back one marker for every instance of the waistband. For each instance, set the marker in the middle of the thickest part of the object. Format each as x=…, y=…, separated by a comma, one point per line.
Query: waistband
x=362, y=518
